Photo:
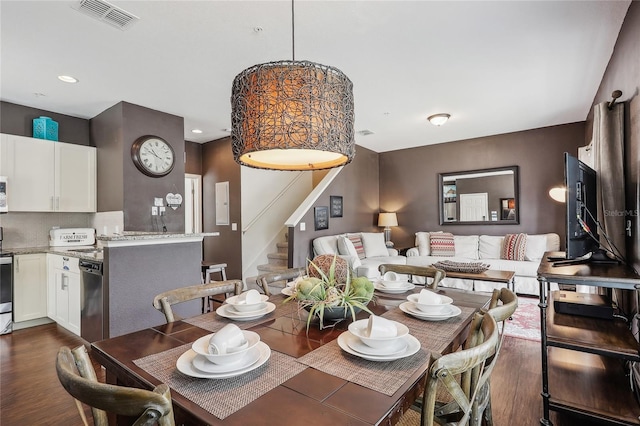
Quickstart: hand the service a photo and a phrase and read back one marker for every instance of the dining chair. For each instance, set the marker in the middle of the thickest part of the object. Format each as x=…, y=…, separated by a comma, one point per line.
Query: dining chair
x=421, y=271
x=77, y=376
x=503, y=304
x=474, y=365
x=264, y=280
x=163, y=301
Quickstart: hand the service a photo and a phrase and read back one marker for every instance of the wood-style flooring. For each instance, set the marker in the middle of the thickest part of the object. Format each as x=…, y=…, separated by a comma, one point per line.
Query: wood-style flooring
x=30, y=393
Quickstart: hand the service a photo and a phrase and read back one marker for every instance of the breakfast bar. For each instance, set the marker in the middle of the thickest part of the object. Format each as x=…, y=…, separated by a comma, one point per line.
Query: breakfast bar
x=308, y=377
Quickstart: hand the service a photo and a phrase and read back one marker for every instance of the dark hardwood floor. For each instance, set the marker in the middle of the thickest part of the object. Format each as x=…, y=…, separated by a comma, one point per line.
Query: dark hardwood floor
x=30, y=393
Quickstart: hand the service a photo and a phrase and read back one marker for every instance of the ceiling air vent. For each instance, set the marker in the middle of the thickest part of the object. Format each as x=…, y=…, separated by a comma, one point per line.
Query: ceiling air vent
x=108, y=13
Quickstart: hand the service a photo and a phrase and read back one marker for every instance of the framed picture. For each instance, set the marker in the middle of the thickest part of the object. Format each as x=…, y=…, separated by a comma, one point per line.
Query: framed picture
x=321, y=217
x=336, y=205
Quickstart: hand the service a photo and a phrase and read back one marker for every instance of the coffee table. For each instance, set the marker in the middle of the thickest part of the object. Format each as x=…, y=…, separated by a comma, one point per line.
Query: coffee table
x=495, y=276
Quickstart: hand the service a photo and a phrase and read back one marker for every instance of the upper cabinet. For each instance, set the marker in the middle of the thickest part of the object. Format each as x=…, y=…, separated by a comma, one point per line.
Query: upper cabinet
x=46, y=176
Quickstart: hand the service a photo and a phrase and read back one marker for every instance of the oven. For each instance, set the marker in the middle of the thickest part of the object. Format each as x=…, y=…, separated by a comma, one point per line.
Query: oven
x=6, y=292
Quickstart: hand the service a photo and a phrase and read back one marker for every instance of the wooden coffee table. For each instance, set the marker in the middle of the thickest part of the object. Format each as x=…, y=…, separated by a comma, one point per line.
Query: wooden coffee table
x=495, y=276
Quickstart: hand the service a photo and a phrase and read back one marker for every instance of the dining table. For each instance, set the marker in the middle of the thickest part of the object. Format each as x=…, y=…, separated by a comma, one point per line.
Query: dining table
x=307, y=379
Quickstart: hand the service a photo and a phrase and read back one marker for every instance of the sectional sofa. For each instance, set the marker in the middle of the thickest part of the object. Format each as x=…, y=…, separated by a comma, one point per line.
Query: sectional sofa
x=487, y=249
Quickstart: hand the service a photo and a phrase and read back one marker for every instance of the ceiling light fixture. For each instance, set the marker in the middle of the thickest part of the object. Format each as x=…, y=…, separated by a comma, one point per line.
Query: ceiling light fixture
x=197, y=131
x=292, y=115
x=438, y=119
x=67, y=79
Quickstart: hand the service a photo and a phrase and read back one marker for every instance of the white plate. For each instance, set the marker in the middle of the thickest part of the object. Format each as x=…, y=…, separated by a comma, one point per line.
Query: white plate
x=227, y=311
x=185, y=364
x=287, y=291
x=450, y=312
x=380, y=287
x=413, y=346
x=394, y=348
x=251, y=357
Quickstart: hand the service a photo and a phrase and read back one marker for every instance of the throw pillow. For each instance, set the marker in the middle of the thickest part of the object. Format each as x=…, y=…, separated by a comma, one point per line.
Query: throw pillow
x=357, y=244
x=374, y=245
x=490, y=247
x=442, y=244
x=466, y=246
x=514, y=247
x=536, y=246
x=346, y=247
x=422, y=242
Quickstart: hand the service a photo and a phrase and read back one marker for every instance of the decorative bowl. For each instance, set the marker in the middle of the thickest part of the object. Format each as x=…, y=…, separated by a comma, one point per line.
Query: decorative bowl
x=359, y=329
x=201, y=347
x=336, y=313
x=434, y=308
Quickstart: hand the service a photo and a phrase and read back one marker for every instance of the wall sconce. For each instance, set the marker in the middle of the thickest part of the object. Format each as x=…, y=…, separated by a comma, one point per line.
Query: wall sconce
x=558, y=193
x=438, y=119
x=387, y=220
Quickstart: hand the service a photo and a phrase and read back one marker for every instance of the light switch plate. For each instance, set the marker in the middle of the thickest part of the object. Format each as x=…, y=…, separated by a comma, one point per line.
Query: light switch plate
x=303, y=226
x=234, y=226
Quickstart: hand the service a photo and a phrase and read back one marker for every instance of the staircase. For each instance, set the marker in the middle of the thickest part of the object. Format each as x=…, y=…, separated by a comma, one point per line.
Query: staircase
x=278, y=261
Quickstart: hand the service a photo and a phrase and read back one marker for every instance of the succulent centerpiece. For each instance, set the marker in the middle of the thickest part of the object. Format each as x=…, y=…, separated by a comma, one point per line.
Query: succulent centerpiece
x=329, y=291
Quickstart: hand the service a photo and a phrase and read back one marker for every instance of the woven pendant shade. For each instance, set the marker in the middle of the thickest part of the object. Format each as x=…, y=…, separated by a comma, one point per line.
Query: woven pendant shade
x=292, y=115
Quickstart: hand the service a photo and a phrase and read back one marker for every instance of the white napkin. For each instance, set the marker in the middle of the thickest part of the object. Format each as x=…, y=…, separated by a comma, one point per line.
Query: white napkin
x=390, y=276
x=429, y=298
x=249, y=297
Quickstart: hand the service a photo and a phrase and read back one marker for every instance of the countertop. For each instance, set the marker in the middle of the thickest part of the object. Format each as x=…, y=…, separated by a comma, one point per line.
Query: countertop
x=63, y=251
x=129, y=238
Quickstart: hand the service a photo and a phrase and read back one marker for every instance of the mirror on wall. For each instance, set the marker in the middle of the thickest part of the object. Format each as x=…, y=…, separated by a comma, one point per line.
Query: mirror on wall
x=487, y=197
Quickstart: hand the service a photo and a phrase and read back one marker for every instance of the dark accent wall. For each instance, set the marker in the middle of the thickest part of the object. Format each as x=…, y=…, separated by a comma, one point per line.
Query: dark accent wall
x=358, y=185
x=113, y=132
x=18, y=120
x=409, y=180
x=623, y=73
x=218, y=166
x=193, y=164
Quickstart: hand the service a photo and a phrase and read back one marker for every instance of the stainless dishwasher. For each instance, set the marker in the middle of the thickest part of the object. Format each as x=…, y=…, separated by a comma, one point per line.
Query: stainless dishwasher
x=92, y=300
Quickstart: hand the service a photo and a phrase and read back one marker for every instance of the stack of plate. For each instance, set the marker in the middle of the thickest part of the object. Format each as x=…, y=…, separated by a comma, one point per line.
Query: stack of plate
x=384, y=349
x=197, y=362
x=393, y=287
x=444, y=310
x=234, y=309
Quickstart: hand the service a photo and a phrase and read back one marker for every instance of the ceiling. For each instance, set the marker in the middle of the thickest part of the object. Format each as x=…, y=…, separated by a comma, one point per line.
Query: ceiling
x=495, y=66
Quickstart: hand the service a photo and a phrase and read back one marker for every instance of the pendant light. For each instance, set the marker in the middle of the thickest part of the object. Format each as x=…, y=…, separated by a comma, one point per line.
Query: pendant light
x=292, y=115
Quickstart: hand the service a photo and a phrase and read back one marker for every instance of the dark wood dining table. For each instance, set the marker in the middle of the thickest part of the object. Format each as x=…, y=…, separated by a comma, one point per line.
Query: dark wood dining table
x=310, y=397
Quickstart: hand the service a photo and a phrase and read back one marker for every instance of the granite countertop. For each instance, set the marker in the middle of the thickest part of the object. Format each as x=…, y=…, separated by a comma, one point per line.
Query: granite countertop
x=135, y=235
x=86, y=253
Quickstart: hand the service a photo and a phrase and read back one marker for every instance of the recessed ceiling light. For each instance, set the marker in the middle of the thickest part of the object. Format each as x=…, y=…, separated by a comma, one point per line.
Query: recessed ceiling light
x=198, y=131
x=67, y=79
x=438, y=119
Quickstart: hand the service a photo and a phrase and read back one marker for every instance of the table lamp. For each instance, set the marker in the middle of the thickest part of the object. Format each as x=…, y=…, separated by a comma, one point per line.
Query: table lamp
x=387, y=220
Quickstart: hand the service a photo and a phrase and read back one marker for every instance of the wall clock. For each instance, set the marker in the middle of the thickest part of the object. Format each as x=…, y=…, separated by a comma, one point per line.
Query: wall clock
x=153, y=156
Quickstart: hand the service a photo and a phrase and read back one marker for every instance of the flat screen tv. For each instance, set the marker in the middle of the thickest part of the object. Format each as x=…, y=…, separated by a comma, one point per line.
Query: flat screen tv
x=580, y=181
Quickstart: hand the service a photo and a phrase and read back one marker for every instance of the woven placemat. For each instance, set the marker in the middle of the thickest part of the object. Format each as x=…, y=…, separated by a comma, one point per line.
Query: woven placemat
x=220, y=397
x=387, y=377
x=214, y=322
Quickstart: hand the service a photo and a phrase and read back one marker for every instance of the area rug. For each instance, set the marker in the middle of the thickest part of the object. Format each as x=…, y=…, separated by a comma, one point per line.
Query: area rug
x=525, y=323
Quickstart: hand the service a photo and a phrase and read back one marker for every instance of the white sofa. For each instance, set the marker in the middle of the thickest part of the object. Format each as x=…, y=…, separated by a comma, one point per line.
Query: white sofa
x=375, y=252
x=487, y=249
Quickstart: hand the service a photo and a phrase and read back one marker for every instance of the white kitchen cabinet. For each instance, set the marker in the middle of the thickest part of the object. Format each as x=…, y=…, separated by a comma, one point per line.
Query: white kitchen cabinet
x=29, y=287
x=63, y=301
x=47, y=176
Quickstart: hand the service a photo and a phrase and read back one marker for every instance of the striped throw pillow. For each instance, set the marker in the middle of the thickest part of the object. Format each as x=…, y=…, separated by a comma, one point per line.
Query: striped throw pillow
x=514, y=247
x=442, y=244
x=357, y=244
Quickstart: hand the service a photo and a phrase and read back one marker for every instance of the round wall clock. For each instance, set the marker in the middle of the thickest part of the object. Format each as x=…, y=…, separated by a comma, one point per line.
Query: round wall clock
x=153, y=156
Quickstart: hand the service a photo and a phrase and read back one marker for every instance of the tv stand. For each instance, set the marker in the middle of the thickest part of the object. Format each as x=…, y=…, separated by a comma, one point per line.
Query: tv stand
x=583, y=358
x=598, y=257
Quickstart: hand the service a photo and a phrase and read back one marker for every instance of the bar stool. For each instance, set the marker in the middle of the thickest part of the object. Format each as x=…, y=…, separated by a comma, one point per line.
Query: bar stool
x=209, y=268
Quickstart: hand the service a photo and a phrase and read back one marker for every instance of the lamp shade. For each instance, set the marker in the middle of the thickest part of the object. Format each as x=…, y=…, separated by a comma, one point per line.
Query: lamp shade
x=387, y=219
x=292, y=115
x=558, y=193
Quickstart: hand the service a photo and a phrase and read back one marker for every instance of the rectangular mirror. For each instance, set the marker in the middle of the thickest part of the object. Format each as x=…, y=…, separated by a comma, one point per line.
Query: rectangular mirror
x=483, y=197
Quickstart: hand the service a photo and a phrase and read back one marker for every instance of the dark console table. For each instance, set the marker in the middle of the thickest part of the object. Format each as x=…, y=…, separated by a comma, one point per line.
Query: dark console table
x=583, y=358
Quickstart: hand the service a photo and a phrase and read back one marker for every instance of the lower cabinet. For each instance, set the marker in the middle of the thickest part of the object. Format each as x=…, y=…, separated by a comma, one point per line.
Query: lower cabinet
x=30, y=287
x=63, y=297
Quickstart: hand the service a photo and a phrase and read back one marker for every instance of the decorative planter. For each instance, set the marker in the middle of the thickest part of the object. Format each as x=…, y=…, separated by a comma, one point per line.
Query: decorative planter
x=45, y=128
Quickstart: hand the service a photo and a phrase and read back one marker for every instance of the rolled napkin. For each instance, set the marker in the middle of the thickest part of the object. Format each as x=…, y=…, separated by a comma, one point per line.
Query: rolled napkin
x=379, y=327
x=229, y=338
x=428, y=297
x=390, y=276
x=249, y=297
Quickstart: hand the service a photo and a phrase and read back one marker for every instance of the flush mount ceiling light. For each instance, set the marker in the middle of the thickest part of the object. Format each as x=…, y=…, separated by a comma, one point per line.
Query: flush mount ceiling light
x=197, y=131
x=438, y=119
x=292, y=115
x=67, y=79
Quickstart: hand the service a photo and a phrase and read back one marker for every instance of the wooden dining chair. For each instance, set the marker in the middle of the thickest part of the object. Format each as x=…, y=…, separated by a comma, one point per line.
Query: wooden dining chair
x=474, y=365
x=264, y=280
x=421, y=271
x=163, y=301
x=77, y=376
